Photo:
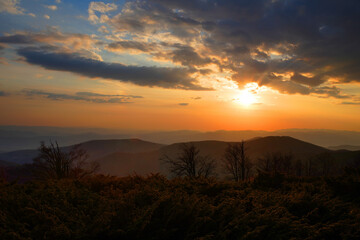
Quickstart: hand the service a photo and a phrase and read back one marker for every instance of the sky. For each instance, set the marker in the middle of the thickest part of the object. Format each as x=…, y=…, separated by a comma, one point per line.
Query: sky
x=174, y=64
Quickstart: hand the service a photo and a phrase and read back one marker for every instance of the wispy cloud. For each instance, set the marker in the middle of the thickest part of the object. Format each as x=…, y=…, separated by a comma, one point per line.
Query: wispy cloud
x=82, y=96
x=51, y=7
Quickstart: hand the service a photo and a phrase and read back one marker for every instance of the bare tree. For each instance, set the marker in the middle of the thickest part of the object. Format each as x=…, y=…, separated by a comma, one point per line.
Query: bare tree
x=276, y=162
x=243, y=158
x=298, y=168
x=326, y=162
x=287, y=162
x=231, y=161
x=264, y=163
x=190, y=163
x=236, y=161
x=55, y=163
x=248, y=166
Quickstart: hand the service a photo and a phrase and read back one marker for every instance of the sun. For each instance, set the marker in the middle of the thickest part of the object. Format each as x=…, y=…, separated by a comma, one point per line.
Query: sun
x=246, y=98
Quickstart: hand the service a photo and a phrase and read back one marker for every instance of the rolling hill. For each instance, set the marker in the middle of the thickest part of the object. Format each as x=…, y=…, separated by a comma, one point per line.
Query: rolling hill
x=127, y=156
x=148, y=162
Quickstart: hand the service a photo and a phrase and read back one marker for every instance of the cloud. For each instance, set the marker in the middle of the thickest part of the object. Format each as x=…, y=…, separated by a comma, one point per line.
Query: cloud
x=85, y=96
x=103, y=29
x=3, y=94
x=58, y=1
x=310, y=81
x=305, y=43
x=295, y=47
x=51, y=7
x=46, y=16
x=68, y=42
x=188, y=57
x=101, y=8
x=351, y=103
x=11, y=6
x=91, y=94
x=121, y=46
x=183, y=104
x=177, y=53
x=177, y=78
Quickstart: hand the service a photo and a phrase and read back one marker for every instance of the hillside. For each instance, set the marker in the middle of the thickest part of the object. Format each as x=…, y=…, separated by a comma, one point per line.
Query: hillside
x=256, y=147
x=149, y=162
x=95, y=149
x=123, y=164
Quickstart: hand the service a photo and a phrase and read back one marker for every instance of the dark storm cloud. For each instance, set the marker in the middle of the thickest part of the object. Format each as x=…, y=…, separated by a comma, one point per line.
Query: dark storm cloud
x=177, y=78
x=260, y=37
x=82, y=96
x=2, y=94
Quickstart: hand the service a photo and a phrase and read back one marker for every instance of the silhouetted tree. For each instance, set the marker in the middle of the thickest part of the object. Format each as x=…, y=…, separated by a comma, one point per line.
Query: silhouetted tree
x=276, y=162
x=236, y=162
x=326, y=163
x=264, y=163
x=298, y=168
x=309, y=167
x=53, y=162
x=287, y=162
x=190, y=163
x=248, y=166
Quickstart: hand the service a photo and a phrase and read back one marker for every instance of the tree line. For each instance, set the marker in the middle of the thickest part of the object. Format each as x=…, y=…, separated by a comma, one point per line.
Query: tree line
x=237, y=163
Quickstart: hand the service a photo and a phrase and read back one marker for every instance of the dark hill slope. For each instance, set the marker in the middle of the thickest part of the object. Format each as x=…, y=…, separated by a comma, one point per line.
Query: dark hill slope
x=95, y=149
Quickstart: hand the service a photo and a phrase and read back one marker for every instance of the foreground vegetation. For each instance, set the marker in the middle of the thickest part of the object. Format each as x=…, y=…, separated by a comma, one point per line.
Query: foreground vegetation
x=102, y=207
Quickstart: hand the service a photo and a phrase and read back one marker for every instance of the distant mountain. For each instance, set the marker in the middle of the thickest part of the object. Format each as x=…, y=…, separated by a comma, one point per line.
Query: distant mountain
x=345, y=147
x=24, y=137
x=19, y=157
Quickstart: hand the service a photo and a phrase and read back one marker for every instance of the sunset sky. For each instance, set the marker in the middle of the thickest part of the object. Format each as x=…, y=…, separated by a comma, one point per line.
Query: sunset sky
x=176, y=64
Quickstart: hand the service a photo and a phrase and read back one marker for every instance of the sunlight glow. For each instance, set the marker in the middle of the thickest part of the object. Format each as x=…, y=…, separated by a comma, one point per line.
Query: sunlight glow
x=248, y=95
x=246, y=98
